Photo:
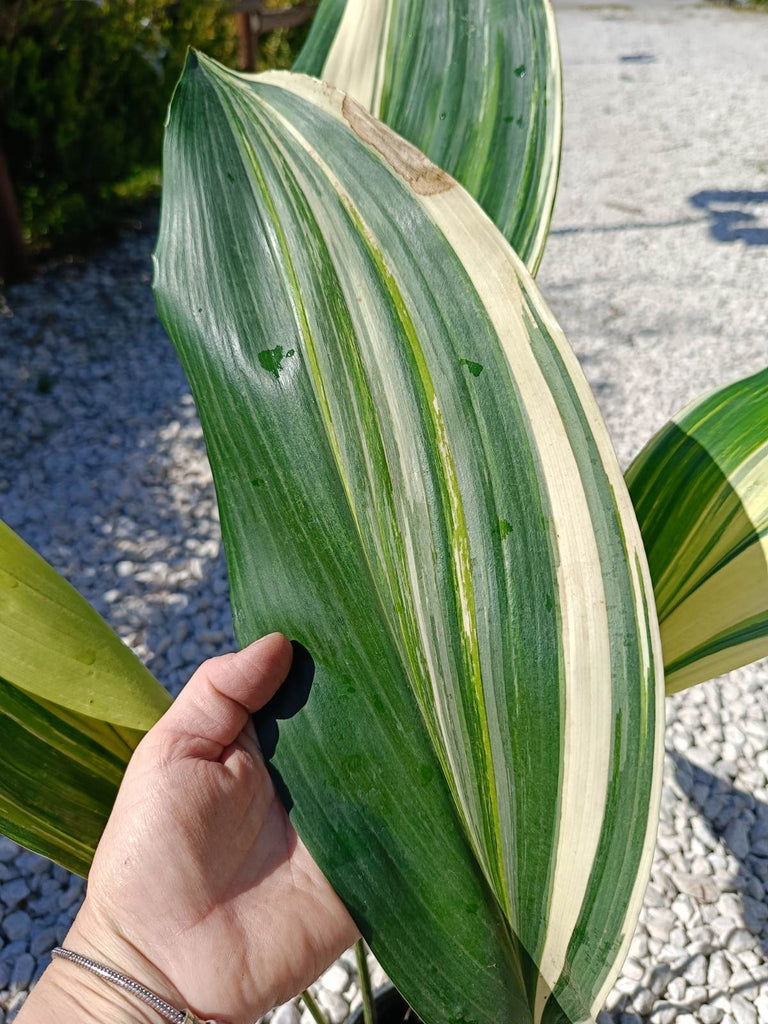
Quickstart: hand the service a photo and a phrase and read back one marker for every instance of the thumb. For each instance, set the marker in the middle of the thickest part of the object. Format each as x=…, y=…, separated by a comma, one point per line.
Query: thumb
x=217, y=702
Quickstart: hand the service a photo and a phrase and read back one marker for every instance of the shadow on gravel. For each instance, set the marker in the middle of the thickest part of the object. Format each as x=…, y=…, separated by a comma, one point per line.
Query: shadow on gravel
x=102, y=461
x=741, y=822
x=731, y=216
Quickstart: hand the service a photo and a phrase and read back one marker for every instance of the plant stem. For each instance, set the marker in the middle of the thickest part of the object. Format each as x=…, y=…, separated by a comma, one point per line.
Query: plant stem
x=369, y=1006
x=309, y=1001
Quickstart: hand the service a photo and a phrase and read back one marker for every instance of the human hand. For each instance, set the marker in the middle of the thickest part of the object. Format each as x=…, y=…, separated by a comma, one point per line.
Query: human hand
x=200, y=888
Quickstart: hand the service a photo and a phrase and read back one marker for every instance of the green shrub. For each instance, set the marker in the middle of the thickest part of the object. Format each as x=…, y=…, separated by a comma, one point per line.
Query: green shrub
x=84, y=85
x=279, y=49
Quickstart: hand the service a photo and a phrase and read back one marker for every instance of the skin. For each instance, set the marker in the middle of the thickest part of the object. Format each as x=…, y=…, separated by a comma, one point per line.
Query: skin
x=200, y=888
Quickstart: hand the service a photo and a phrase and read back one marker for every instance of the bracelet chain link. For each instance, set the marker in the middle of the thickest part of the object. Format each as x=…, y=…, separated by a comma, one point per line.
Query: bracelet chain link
x=166, y=1011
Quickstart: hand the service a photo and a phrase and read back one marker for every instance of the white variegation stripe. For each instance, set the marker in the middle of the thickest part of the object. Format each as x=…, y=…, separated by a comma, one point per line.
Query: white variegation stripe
x=641, y=584
x=355, y=62
x=555, y=111
x=585, y=632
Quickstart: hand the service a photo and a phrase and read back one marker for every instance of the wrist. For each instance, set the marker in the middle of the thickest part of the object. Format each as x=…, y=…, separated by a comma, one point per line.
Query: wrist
x=94, y=935
x=70, y=995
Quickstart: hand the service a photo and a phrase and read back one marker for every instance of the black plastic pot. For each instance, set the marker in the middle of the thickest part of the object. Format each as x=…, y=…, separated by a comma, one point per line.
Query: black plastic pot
x=391, y=1008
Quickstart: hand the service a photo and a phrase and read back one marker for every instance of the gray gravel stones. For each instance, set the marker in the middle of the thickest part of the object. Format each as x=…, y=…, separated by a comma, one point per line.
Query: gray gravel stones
x=334, y=1005
x=335, y=979
x=22, y=972
x=8, y=850
x=13, y=893
x=17, y=925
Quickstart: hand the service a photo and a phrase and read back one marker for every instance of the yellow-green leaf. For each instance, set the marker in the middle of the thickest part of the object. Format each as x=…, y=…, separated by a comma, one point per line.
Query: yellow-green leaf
x=700, y=490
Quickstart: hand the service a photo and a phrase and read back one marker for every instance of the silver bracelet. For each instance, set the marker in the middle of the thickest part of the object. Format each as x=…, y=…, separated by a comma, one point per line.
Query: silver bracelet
x=165, y=1010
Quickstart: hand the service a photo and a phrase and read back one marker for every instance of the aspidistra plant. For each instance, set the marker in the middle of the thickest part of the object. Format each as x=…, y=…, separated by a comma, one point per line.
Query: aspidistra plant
x=415, y=482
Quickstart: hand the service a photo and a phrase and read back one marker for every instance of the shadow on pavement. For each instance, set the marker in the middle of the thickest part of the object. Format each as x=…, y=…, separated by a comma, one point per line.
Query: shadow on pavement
x=730, y=215
x=740, y=821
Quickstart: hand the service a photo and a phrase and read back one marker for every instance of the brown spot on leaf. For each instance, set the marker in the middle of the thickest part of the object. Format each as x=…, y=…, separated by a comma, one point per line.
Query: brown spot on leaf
x=424, y=177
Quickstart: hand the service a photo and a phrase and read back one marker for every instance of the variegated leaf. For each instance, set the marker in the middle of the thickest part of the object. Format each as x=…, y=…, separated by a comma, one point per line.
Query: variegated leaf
x=700, y=491
x=74, y=703
x=414, y=481
x=475, y=84
x=59, y=775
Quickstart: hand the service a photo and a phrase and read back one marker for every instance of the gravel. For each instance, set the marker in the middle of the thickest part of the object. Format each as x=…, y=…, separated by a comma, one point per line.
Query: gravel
x=103, y=470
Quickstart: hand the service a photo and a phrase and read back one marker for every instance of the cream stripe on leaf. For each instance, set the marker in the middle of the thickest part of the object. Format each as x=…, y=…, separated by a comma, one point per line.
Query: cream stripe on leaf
x=475, y=84
x=74, y=703
x=700, y=490
x=415, y=483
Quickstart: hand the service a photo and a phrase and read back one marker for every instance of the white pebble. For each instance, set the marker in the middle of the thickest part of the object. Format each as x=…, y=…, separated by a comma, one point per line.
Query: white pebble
x=335, y=979
x=288, y=1013
x=743, y=1011
x=334, y=1006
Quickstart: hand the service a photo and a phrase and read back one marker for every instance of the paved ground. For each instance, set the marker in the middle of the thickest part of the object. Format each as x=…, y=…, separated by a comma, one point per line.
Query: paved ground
x=658, y=270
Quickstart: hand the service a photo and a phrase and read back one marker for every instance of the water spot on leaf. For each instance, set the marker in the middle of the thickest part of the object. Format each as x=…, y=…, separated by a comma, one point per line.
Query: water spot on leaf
x=548, y=602
x=509, y=119
x=258, y=481
x=474, y=368
x=443, y=115
x=505, y=528
x=519, y=121
x=426, y=773
x=86, y=658
x=271, y=359
x=230, y=176
x=520, y=70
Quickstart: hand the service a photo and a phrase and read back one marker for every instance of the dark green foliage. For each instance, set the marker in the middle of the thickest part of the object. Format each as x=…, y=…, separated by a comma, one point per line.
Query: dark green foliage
x=279, y=49
x=84, y=85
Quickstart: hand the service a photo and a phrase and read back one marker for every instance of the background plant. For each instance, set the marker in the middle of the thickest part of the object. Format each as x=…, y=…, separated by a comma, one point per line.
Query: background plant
x=83, y=92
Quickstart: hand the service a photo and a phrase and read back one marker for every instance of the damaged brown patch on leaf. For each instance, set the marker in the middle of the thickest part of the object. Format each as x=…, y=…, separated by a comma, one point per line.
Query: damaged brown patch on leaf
x=424, y=177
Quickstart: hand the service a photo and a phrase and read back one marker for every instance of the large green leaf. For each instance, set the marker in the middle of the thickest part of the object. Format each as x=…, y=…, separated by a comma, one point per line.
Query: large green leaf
x=415, y=482
x=74, y=703
x=475, y=84
x=700, y=490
